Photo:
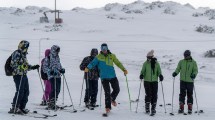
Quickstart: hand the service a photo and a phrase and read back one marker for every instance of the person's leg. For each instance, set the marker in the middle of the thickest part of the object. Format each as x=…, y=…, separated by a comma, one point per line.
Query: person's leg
x=17, y=80
x=16, y=101
x=58, y=87
x=190, y=96
x=51, y=104
x=154, y=88
x=87, y=96
x=147, y=96
x=182, y=96
x=24, y=100
x=94, y=91
x=106, y=88
x=115, y=86
x=47, y=90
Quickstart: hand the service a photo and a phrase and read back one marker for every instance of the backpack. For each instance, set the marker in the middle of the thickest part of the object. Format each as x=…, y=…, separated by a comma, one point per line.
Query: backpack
x=44, y=75
x=8, y=69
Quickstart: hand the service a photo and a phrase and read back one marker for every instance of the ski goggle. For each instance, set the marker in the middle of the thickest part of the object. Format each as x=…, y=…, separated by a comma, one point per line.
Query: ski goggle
x=58, y=50
x=104, y=48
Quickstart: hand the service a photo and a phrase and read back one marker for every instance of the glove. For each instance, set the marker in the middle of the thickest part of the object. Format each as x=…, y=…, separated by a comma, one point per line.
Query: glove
x=86, y=70
x=125, y=72
x=141, y=76
x=52, y=72
x=174, y=74
x=35, y=67
x=161, y=77
x=192, y=76
x=23, y=67
x=62, y=71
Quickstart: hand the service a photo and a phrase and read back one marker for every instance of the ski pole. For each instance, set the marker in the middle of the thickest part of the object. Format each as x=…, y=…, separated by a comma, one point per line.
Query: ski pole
x=63, y=93
x=196, y=99
x=128, y=91
x=81, y=92
x=88, y=88
x=46, y=99
x=74, y=110
x=173, y=95
x=139, y=94
x=163, y=97
x=55, y=95
x=18, y=94
x=101, y=95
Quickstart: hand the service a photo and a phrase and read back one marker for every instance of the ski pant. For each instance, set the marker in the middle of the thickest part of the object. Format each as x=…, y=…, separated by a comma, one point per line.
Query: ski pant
x=48, y=89
x=23, y=91
x=53, y=89
x=91, y=91
x=186, y=88
x=151, y=90
x=108, y=95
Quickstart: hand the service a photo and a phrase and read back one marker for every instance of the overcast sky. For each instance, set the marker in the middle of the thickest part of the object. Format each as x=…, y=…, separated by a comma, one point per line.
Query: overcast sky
x=69, y=4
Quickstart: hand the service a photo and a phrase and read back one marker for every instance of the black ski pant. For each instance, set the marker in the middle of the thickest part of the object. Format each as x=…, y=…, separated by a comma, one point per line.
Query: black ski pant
x=151, y=90
x=186, y=88
x=91, y=91
x=23, y=91
x=53, y=88
x=110, y=96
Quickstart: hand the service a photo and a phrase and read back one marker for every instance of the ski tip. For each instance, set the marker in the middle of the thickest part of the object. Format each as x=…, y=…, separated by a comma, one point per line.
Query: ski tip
x=171, y=114
x=104, y=114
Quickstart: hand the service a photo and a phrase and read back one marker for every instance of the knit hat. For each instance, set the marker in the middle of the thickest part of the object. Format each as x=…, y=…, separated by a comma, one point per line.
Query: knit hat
x=150, y=53
x=187, y=53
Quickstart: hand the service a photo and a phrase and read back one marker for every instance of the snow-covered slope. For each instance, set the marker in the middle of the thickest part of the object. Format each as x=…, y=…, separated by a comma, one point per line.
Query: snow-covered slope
x=130, y=31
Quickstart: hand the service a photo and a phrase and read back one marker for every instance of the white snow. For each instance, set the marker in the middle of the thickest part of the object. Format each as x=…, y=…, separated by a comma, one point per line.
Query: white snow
x=129, y=36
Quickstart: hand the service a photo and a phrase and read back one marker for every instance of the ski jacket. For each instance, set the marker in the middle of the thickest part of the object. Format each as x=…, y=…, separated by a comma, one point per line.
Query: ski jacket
x=150, y=74
x=93, y=74
x=52, y=63
x=105, y=65
x=186, y=68
x=19, y=58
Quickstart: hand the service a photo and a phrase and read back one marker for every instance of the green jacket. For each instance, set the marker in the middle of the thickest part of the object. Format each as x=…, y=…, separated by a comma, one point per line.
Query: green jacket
x=148, y=73
x=106, y=65
x=186, y=68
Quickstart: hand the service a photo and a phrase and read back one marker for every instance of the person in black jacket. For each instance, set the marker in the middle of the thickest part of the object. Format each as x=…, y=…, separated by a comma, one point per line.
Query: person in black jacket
x=91, y=79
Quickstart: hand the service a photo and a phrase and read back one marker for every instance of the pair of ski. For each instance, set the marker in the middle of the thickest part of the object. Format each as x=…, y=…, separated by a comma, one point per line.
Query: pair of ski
x=35, y=114
x=200, y=111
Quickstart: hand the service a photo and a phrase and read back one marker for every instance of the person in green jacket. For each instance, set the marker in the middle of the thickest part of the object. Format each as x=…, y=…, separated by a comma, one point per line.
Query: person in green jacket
x=188, y=71
x=150, y=72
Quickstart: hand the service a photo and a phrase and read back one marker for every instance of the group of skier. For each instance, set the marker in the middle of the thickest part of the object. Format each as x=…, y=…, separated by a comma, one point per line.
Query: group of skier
x=97, y=65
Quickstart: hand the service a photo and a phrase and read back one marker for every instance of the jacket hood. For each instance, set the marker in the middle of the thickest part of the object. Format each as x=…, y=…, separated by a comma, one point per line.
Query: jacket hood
x=55, y=50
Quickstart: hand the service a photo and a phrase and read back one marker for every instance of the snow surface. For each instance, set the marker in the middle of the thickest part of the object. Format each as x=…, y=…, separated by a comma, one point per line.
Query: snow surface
x=130, y=31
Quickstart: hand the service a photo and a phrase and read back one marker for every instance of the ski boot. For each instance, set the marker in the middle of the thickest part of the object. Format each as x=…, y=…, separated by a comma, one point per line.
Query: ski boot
x=190, y=107
x=153, y=111
x=43, y=103
x=107, y=110
x=147, y=109
x=114, y=103
x=181, y=108
x=87, y=104
x=25, y=111
x=93, y=104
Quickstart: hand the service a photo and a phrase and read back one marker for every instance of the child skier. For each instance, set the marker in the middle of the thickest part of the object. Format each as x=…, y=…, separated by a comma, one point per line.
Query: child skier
x=44, y=76
x=91, y=79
